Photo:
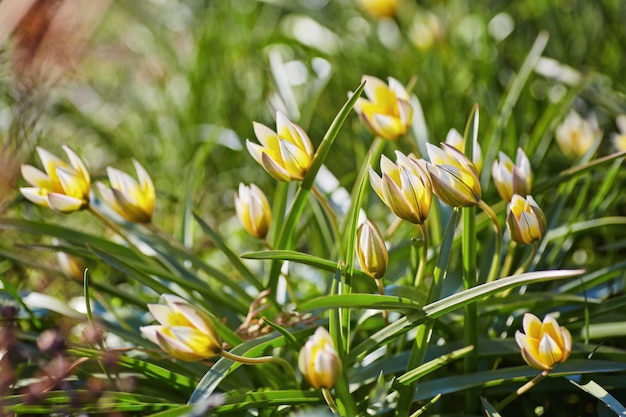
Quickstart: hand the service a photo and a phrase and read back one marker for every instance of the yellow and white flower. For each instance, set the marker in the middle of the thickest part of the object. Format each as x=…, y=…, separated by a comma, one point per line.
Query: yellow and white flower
x=404, y=187
x=253, y=210
x=62, y=187
x=184, y=331
x=318, y=360
x=543, y=344
x=575, y=136
x=453, y=176
x=132, y=200
x=455, y=139
x=371, y=250
x=286, y=154
x=511, y=178
x=525, y=220
x=386, y=110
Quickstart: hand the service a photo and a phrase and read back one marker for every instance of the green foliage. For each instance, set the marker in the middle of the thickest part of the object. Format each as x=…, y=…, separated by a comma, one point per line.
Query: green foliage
x=176, y=86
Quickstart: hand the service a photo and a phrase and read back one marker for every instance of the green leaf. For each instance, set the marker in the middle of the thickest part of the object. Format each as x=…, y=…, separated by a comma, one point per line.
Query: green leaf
x=593, y=388
x=455, y=301
x=428, y=367
x=489, y=409
x=496, y=377
x=302, y=258
x=232, y=257
x=354, y=300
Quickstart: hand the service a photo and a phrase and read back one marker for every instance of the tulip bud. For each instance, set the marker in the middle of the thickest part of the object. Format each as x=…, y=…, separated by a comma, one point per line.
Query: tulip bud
x=512, y=178
x=253, y=210
x=286, y=154
x=544, y=344
x=404, y=187
x=386, y=111
x=371, y=250
x=318, y=360
x=455, y=139
x=454, y=177
x=525, y=220
x=184, y=331
x=575, y=136
x=132, y=200
x=63, y=187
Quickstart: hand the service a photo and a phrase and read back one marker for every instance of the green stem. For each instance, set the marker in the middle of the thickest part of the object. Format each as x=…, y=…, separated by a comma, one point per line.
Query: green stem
x=259, y=361
x=331, y=216
x=419, y=277
x=528, y=260
x=381, y=291
x=495, y=263
x=508, y=260
x=522, y=389
x=330, y=401
x=470, y=328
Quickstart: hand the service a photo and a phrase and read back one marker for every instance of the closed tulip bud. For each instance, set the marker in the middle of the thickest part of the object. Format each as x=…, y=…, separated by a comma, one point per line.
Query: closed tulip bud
x=525, y=220
x=543, y=344
x=318, y=360
x=575, y=136
x=455, y=139
x=454, y=177
x=62, y=187
x=253, y=210
x=132, y=200
x=184, y=332
x=286, y=154
x=512, y=178
x=386, y=110
x=404, y=187
x=371, y=250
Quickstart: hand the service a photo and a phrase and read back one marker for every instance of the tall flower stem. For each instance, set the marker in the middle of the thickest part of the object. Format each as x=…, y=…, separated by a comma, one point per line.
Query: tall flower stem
x=522, y=389
x=259, y=361
x=421, y=269
x=330, y=401
x=330, y=214
x=470, y=325
x=524, y=266
x=495, y=263
x=381, y=291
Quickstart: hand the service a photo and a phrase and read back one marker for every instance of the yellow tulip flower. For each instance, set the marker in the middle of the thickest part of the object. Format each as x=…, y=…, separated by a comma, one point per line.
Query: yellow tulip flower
x=183, y=331
x=525, y=220
x=386, y=111
x=575, y=136
x=454, y=177
x=371, y=250
x=404, y=187
x=62, y=187
x=512, y=178
x=455, y=139
x=286, y=154
x=318, y=360
x=132, y=200
x=253, y=210
x=544, y=344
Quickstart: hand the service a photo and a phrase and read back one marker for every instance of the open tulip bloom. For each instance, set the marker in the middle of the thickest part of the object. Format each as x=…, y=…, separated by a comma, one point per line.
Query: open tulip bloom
x=543, y=344
x=386, y=110
x=183, y=331
x=132, y=200
x=404, y=187
x=286, y=154
x=62, y=187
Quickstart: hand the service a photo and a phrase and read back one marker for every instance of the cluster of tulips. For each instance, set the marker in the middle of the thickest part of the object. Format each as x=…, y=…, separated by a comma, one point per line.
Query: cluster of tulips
x=406, y=187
